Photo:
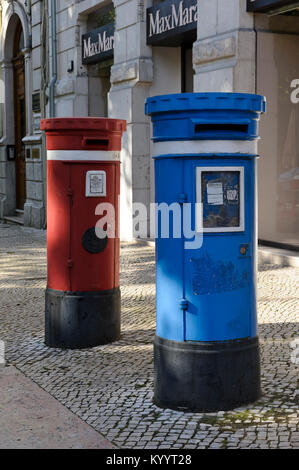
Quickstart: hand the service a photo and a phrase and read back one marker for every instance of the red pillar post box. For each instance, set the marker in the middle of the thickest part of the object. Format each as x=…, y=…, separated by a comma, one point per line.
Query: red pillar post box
x=82, y=295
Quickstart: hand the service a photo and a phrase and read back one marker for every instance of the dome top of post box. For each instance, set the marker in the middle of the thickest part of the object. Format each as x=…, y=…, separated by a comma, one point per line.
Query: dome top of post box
x=83, y=133
x=205, y=101
x=83, y=123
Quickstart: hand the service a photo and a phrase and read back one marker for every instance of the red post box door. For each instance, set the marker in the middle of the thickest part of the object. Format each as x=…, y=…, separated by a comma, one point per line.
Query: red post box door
x=93, y=260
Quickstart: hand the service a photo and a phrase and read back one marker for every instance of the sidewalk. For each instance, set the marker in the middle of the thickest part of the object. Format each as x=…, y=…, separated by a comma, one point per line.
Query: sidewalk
x=30, y=418
x=110, y=387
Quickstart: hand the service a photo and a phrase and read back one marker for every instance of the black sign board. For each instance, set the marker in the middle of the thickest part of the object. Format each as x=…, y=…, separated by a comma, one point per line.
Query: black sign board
x=171, y=23
x=36, y=102
x=264, y=6
x=98, y=44
x=11, y=152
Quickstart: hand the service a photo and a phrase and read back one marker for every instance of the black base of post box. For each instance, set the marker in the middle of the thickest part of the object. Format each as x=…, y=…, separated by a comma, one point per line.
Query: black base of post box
x=76, y=320
x=206, y=376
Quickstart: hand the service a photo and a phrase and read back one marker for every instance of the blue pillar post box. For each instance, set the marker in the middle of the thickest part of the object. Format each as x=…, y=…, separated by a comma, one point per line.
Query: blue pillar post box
x=206, y=348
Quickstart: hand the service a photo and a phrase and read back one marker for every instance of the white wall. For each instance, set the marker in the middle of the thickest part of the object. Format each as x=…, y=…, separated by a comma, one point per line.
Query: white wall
x=167, y=79
x=224, y=53
x=167, y=70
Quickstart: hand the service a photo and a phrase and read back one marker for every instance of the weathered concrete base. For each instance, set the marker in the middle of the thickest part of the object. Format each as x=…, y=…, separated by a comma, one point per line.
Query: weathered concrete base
x=7, y=185
x=278, y=256
x=34, y=214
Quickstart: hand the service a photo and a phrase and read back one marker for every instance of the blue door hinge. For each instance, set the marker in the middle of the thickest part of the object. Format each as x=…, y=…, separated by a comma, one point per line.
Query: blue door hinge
x=183, y=304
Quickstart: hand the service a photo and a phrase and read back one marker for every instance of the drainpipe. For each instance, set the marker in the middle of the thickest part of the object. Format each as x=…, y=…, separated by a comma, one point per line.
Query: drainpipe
x=54, y=58
x=28, y=5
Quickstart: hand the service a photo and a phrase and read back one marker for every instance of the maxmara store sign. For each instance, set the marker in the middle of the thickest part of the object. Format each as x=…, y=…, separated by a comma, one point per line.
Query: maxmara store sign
x=98, y=44
x=267, y=5
x=171, y=22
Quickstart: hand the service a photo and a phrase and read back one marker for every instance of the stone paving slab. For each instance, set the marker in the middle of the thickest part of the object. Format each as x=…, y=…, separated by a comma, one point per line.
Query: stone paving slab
x=111, y=387
x=31, y=418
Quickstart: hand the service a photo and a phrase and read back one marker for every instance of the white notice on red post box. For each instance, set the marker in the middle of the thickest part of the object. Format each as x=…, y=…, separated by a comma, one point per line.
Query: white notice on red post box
x=95, y=184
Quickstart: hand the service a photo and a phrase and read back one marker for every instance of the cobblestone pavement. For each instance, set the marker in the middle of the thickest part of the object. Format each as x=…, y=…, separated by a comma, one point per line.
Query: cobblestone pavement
x=110, y=387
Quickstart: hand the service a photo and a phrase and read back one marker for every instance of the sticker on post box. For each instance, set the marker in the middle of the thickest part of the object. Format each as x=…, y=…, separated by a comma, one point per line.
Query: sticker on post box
x=220, y=191
x=215, y=194
x=232, y=195
x=95, y=184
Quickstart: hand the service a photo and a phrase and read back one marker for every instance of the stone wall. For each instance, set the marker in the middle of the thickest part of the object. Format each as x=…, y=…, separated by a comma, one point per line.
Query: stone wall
x=31, y=19
x=224, y=53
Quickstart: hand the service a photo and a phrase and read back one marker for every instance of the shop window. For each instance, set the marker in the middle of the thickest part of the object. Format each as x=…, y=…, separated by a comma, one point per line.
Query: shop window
x=99, y=66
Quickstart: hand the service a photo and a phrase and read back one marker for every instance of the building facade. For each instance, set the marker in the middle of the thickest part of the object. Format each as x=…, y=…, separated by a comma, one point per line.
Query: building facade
x=22, y=173
x=103, y=58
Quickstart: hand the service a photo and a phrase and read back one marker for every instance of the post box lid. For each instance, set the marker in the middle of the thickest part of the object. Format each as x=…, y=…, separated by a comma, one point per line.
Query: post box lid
x=83, y=123
x=205, y=101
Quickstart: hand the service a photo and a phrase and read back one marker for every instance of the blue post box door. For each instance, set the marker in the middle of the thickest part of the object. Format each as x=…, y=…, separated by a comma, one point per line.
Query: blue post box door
x=169, y=250
x=219, y=283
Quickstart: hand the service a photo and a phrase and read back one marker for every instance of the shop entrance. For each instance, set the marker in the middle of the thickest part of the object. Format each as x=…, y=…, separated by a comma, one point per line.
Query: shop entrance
x=100, y=38
x=20, y=117
x=187, y=69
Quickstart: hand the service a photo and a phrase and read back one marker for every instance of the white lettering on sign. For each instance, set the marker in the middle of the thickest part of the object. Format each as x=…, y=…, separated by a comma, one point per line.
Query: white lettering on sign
x=179, y=17
x=232, y=195
x=215, y=194
x=105, y=43
x=95, y=184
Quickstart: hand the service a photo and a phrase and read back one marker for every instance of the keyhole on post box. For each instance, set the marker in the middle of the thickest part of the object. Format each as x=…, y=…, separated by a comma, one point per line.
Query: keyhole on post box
x=92, y=243
x=243, y=249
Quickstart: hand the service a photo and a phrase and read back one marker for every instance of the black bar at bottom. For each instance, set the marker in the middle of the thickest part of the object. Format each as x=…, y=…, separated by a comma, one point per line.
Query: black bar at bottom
x=283, y=246
x=206, y=376
x=76, y=320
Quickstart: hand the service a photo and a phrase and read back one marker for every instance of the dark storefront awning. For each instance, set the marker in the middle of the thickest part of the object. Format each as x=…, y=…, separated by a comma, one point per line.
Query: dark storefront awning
x=98, y=44
x=271, y=6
